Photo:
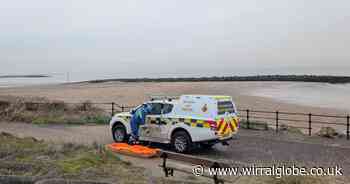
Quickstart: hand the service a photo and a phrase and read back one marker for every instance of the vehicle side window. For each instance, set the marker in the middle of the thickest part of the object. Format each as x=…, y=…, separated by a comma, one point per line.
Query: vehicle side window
x=225, y=106
x=156, y=108
x=167, y=108
x=160, y=108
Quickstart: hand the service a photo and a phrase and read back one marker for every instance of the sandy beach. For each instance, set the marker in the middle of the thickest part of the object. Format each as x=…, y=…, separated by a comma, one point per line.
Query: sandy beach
x=134, y=93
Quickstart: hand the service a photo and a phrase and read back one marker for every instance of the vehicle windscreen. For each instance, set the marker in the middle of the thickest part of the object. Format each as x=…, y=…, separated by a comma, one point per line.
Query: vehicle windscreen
x=225, y=106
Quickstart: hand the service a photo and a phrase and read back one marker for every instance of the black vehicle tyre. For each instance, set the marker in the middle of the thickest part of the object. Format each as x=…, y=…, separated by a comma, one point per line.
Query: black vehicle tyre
x=181, y=142
x=119, y=133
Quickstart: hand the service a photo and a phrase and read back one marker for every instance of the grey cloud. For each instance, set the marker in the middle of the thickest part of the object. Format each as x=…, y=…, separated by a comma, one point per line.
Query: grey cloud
x=167, y=38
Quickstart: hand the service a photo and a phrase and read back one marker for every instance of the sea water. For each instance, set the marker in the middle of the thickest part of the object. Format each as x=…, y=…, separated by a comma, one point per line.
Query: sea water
x=14, y=82
x=312, y=94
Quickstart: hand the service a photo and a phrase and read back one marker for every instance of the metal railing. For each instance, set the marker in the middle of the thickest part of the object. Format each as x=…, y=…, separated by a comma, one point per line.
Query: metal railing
x=306, y=121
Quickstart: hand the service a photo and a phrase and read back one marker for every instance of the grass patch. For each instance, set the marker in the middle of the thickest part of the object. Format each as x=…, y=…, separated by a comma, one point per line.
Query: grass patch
x=30, y=157
x=76, y=165
x=63, y=119
x=255, y=125
x=98, y=119
x=42, y=111
x=291, y=129
x=261, y=125
x=48, y=120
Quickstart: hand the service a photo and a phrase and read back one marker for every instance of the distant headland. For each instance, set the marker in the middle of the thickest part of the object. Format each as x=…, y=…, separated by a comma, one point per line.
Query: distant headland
x=24, y=76
x=291, y=78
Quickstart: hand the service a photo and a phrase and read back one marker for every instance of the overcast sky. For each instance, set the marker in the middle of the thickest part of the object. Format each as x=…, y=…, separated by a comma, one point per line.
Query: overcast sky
x=136, y=38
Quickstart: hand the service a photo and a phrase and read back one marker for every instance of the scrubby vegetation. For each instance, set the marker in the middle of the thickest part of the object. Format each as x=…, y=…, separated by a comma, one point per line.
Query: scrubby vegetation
x=290, y=129
x=254, y=125
x=30, y=157
x=43, y=111
x=328, y=132
x=29, y=160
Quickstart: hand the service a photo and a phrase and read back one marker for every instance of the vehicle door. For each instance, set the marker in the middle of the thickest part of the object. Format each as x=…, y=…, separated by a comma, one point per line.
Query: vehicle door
x=156, y=127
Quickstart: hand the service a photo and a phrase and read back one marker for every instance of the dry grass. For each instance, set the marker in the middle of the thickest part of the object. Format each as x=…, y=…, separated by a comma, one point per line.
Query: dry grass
x=41, y=160
x=28, y=156
x=43, y=111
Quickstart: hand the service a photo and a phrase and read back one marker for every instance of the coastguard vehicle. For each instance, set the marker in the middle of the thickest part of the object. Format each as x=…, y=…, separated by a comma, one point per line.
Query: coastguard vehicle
x=184, y=122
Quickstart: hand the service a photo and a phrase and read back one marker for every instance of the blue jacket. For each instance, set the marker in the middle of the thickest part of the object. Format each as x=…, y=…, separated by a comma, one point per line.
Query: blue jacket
x=139, y=118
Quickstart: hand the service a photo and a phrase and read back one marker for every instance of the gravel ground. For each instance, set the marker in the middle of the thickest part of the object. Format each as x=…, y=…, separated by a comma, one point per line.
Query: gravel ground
x=248, y=147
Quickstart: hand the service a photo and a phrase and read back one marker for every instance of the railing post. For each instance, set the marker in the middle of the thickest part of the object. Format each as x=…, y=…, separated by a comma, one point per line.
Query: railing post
x=248, y=126
x=113, y=108
x=310, y=128
x=348, y=127
x=123, y=108
x=277, y=121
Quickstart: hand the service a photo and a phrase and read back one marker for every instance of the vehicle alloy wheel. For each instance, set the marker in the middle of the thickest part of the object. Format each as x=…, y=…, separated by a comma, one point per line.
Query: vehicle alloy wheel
x=181, y=142
x=119, y=133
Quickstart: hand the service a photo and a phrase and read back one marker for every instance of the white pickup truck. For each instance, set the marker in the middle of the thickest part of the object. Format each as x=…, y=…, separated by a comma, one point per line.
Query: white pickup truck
x=183, y=121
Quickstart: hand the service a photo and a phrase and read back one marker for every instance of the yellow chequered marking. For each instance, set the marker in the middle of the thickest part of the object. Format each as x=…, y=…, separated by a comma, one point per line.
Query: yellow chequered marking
x=234, y=123
x=206, y=125
x=221, y=126
x=227, y=125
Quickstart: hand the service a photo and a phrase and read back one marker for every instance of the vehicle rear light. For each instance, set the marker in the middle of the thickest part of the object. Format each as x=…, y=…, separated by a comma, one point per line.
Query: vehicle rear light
x=212, y=124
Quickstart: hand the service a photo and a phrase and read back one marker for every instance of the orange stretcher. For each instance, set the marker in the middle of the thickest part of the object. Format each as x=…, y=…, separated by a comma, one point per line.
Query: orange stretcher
x=133, y=150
